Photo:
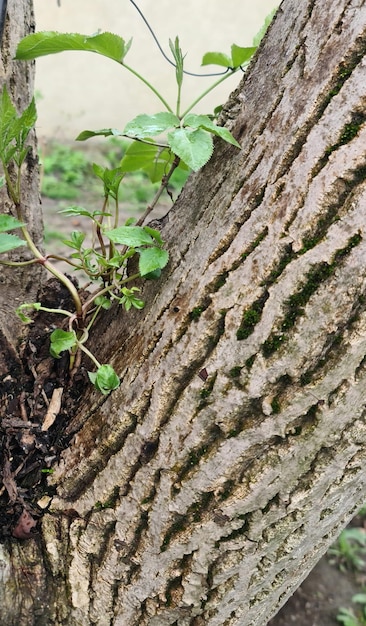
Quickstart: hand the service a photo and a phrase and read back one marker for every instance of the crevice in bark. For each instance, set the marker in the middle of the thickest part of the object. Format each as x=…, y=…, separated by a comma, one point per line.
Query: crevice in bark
x=294, y=306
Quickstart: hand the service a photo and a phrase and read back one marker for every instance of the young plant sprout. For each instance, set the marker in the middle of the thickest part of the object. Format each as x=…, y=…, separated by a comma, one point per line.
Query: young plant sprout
x=160, y=143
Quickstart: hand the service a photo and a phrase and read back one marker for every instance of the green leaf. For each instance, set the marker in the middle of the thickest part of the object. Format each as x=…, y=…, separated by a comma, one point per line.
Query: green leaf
x=360, y=598
x=129, y=299
x=146, y=126
x=203, y=121
x=104, y=302
x=262, y=31
x=24, y=307
x=14, y=128
x=103, y=132
x=194, y=147
x=104, y=379
x=10, y=242
x=153, y=275
x=154, y=233
x=77, y=210
x=179, y=59
x=62, y=340
x=8, y=118
x=133, y=236
x=76, y=241
x=138, y=156
x=8, y=222
x=216, y=58
x=241, y=56
x=51, y=42
x=152, y=159
x=152, y=259
x=26, y=122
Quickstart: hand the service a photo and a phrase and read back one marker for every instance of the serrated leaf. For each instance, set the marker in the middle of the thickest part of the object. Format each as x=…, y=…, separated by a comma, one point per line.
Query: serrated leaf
x=103, y=132
x=104, y=379
x=8, y=222
x=61, y=340
x=154, y=233
x=25, y=123
x=76, y=240
x=241, y=56
x=203, y=121
x=52, y=42
x=77, y=210
x=8, y=117
x=146, y=126
x=194, y=147
x=216, y=58
x=133, y=236
x=10, y=242
x=112, y=180
x=152, y=259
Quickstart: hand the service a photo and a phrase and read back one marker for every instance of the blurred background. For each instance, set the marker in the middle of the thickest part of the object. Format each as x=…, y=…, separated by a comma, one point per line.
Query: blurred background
x=77, y=90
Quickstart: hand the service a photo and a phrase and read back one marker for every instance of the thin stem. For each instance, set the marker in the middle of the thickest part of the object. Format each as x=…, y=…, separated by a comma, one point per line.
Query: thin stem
x=69, y=286
x=101, y=292
x=90, y=355
x=179, y=98
x=163, y=186
x=95, y=314
x=57, y=311
x=64, y=259
x=207, y=91
x=116, y=212
x=10, y=187
x=51, y=268
x=20, y=263
x=149, y=85
x=100, y=239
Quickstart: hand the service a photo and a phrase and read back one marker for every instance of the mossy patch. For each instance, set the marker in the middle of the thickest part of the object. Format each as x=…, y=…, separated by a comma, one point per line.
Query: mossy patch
x=285, y=259
x=262, y=235
x=348, y=132
x=235, y=371
x=251, y=317
x=295, y=304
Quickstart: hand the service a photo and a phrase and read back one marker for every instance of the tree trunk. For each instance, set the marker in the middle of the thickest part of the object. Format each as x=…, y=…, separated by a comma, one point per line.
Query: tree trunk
x=204, y=490
x=20, y=286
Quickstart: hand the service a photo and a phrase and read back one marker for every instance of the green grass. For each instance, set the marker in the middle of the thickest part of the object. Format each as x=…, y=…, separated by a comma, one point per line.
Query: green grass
x=64, y=171
x=349, y=551
x=67, y=174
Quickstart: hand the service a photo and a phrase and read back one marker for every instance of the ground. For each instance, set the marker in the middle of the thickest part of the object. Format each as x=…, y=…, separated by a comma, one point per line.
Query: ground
x=318, y=600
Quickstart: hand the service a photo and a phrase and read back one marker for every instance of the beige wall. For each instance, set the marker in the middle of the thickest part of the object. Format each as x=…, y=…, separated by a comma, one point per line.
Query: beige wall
x=83, y=90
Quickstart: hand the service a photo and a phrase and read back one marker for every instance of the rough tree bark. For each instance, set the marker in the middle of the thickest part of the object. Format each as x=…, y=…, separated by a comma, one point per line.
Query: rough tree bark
x=204, y=490
x=19, y=79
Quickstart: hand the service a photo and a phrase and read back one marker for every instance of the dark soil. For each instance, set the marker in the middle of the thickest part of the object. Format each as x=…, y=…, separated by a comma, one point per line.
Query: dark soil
x=32, y=385
x=317, y=601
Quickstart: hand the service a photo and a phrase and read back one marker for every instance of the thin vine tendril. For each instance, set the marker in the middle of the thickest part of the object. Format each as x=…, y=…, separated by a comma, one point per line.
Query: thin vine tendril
x=228, y=69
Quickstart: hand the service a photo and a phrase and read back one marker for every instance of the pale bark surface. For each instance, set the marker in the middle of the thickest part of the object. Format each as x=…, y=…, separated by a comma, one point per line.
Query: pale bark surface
x=192, y=502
